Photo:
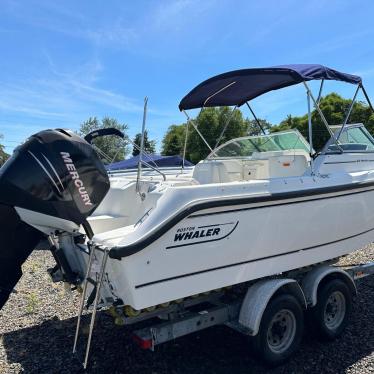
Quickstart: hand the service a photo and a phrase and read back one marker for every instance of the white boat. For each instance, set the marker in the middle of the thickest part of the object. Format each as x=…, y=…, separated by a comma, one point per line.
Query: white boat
x=256, y=207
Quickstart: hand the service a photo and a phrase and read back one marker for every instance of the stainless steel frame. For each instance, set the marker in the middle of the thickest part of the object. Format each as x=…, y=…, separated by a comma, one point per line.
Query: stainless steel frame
x=189, y=120
x=141, y=146
x=185, y=145
x=310, y=132
x=309, y=92
x=255, y=117
x=320, y=91
x=310, y=96
x=84, y=292
x=97, y=291
x=225, y=127
x=348, y=113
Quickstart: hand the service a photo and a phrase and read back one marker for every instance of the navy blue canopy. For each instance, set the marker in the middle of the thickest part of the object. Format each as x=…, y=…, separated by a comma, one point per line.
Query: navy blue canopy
x=160, y=161
x=239, y=86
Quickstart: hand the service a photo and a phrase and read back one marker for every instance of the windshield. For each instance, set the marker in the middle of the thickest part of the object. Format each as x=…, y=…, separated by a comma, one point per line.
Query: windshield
x=279, y=141
x=354, y=138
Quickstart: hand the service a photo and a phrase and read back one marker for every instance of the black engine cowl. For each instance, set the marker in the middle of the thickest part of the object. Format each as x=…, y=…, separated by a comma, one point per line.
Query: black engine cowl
x=55, y=173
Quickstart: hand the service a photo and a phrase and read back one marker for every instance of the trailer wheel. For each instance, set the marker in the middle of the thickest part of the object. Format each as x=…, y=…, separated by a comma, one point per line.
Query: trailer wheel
x=280, y=331
x=331, y=314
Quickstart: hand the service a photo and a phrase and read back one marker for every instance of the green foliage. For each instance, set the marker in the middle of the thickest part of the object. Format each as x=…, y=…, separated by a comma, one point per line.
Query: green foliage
x=113, y=146
x=3, y=155
x=334, y=108
x=32, y=303
x=173, y=141
x=149, y=145
x=254, y=129
x=210, y=123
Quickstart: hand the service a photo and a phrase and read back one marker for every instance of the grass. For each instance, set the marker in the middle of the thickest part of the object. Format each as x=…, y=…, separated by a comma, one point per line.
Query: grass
x=34, y=267
x=32, y=303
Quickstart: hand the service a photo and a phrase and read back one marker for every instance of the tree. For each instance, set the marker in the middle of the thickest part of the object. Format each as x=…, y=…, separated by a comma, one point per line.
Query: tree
x=334, y=108
x=254, y=129
x=112, y=146
x=149, y=145
x=173, y=141
x=210, y=123
x=3, y=155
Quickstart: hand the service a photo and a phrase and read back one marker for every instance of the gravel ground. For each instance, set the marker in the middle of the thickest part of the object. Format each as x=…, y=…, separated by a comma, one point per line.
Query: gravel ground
x=37, y=328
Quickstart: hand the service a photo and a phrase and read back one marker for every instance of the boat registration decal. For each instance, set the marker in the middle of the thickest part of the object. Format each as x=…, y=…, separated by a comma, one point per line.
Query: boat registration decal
x=190, y=235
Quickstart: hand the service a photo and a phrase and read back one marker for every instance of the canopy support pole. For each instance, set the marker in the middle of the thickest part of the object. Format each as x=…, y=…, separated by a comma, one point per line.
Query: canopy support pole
x=320, y=91
x=225, y=127
x=322, y=117
x=367, y=97
x=348, y=113
x=144, y=152
x=227, y=123
x=197, y=130
x=141, y=146
x=185, y=144
x=255, y=117
x=310, y=130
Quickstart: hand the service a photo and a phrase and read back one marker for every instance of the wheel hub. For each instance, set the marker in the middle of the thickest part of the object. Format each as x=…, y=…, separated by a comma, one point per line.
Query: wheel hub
x=281, y=331
x=335, y=310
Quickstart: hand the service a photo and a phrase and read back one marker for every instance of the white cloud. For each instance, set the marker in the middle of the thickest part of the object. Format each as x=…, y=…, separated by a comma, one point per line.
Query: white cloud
x=117, y=35
x=63, y=95
x=153, y=23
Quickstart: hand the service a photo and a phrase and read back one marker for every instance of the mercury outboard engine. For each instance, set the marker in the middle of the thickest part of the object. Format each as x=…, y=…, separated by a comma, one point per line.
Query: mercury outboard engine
x=54, y=181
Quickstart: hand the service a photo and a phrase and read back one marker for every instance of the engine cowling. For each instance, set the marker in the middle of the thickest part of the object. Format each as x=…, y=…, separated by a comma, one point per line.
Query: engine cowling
x=54, y=176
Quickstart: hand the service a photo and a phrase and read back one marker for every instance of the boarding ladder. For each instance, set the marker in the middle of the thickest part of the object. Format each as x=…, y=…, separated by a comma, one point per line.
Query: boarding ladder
x=97, y=283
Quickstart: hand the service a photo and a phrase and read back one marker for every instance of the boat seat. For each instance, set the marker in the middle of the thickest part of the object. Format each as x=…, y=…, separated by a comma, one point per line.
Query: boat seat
x=277, y=165
x=106, y=222
x=213, y=171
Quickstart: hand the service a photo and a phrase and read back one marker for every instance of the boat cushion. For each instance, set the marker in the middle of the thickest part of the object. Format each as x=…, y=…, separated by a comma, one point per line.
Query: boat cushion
x=211, y=172
x=105, y=222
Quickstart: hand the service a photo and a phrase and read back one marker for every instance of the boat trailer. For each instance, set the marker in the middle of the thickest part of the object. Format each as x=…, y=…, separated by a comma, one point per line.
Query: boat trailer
x=269, y=311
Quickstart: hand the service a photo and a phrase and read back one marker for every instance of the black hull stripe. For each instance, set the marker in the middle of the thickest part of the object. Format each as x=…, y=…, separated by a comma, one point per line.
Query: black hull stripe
x=250, y=261
x=124, y=251
x=346, y=162
x=278, y=204
x=216, y=224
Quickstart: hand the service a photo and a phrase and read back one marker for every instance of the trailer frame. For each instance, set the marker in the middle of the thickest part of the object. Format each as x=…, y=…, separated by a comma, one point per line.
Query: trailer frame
x=242, y=311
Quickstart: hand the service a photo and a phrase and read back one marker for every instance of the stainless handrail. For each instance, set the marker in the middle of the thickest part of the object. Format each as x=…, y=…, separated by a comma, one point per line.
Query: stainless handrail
x=154, y=168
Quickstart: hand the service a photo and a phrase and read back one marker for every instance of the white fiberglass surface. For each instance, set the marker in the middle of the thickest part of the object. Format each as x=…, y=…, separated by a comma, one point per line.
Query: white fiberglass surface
x=246, y=146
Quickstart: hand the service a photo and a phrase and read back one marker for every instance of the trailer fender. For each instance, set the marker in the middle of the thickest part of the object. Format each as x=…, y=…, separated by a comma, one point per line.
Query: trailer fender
x=312, y=280
x=258, y=297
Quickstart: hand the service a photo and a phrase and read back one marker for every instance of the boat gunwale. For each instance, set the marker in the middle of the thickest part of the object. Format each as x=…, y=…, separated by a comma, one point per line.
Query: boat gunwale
x=119, y=252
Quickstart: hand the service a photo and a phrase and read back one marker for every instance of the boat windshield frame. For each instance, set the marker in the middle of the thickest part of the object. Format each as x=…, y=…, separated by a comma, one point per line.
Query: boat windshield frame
x=300, y=138
x=347, y=127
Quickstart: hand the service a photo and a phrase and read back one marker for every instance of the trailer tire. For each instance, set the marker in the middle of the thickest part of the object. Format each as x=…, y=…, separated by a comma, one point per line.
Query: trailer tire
x=281, y=330
x=331, y=314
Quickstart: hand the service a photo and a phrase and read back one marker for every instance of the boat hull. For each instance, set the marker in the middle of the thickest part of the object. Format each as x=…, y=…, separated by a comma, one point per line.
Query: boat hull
x=254, y=240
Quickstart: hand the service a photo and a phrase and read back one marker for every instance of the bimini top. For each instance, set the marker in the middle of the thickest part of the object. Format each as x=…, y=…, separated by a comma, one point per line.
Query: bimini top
x=239, y=86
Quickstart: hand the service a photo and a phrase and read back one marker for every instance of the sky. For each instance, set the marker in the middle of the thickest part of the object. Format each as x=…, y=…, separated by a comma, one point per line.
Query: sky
x=62, y=62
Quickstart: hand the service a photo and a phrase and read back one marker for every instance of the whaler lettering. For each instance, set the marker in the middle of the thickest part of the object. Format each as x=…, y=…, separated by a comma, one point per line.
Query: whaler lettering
x=75, y=177
x=179, y=236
